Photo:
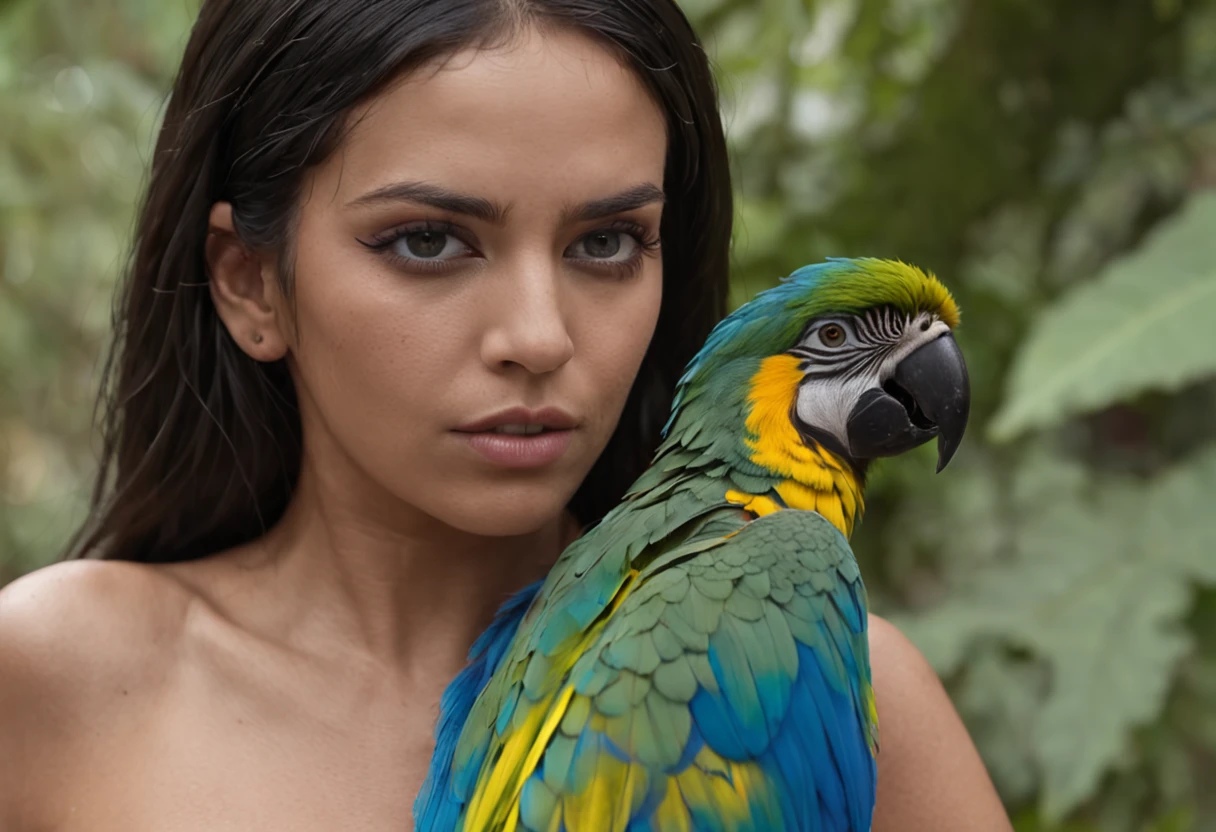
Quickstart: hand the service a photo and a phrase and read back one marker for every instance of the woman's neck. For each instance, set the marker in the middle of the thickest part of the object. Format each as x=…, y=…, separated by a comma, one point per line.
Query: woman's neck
x=343, y=572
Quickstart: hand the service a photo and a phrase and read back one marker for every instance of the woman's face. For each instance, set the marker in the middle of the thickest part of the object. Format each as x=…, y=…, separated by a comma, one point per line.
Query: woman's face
x=485, y=239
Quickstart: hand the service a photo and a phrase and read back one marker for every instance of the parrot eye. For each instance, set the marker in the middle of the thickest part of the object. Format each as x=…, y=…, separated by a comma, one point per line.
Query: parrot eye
x=832, y=335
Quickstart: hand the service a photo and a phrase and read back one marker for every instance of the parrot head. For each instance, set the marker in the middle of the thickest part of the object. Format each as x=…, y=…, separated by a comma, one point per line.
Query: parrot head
x=857, y=356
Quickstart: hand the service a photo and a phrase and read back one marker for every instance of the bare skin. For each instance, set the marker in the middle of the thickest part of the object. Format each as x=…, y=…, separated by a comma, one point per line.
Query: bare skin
x=292, y=683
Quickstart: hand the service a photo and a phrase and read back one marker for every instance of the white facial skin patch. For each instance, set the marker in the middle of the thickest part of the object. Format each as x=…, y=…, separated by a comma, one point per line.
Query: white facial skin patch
x=839, y=373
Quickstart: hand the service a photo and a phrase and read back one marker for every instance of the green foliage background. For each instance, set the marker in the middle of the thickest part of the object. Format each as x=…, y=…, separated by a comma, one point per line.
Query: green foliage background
x=1053, y=162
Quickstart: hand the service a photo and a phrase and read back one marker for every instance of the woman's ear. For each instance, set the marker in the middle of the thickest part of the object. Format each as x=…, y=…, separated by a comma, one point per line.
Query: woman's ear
x=244, y=289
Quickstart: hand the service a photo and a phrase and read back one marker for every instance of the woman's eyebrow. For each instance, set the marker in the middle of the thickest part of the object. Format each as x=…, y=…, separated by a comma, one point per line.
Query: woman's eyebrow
x=484, y=209
x=435, y=196
x=627, y=200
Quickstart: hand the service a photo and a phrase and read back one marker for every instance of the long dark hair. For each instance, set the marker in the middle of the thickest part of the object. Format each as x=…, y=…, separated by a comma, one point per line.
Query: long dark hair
x=201, y=444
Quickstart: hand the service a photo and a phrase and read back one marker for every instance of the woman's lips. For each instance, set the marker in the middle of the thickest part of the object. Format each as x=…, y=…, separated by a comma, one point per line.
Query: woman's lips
x=553, y=418
x=520, y=451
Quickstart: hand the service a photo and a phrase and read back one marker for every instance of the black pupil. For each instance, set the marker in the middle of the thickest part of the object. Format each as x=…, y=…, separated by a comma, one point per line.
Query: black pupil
x=426, y=243
x=832, y=333
x=603, y=244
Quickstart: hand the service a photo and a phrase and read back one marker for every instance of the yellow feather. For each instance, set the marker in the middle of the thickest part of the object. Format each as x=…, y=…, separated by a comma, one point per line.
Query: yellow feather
x=672, y=814
x=829, y=506
x=537, y=748
x=758, y=505
x=796, y=495
x=614, y=793
x=814, y=478
x=495, y=801
x=483, y=814
x=872, y=711
x=723, y=786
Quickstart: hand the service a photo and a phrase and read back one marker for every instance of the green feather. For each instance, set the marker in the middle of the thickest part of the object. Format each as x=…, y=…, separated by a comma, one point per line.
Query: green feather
x=575, y=718
x=717, y=589
x=675, y=680
x=671, y=723
x=559, y=760
x=700, y=612
x=744, y=607
x=537, y=804
x=636, y=652
x=666, y=643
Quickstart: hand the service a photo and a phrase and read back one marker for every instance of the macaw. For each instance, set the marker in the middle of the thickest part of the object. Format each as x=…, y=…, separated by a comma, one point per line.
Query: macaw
x=698, y=660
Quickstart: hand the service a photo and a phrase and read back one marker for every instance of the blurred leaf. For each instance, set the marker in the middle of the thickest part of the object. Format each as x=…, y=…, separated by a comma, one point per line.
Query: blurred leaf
x=1030, y=821
x=1009, y=693
x=1147, y=323
x=1097, y=587
x=1181, y=819
x=1179, y=522
x=1113, y=645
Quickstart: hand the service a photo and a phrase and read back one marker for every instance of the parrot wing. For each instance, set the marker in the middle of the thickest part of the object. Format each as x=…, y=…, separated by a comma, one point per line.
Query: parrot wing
x=725, y=686
x=436, y=807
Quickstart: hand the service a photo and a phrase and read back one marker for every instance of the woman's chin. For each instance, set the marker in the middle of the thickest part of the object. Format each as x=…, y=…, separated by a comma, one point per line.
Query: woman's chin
x=506, y=524
x=507, y=513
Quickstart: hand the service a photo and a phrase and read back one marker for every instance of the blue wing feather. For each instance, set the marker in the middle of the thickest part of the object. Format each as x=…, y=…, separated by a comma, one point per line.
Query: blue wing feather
x=819, y=759
x=437, y=807
x=821, y=755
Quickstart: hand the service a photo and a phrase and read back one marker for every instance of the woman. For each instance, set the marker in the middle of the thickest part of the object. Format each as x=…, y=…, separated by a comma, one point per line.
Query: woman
x=384, y=243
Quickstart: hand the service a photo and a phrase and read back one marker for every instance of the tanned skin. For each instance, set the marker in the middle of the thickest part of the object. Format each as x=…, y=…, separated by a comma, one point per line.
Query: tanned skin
x=292, y=683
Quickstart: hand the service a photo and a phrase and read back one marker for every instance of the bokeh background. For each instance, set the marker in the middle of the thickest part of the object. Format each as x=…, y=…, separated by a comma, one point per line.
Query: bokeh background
x=1053, y=162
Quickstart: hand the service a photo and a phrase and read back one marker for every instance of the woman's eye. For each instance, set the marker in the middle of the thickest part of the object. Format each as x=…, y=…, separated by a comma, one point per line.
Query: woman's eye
x=607, y=245
x=831, y=335
x=428, y=244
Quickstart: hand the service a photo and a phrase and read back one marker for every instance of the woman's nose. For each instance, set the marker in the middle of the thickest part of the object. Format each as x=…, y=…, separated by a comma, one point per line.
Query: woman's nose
x=528, y=327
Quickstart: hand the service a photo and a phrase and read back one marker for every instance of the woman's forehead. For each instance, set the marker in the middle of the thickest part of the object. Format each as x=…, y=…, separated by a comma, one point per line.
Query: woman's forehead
x=552, y=114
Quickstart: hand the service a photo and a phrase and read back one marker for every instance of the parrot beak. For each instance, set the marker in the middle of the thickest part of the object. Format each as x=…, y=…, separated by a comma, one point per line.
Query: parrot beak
x=929, y=395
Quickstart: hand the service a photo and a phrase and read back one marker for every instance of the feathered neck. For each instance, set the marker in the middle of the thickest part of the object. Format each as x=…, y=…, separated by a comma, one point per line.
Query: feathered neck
x=736, y=425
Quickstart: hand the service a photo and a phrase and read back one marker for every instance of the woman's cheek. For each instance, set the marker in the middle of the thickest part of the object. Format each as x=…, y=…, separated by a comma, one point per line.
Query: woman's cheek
x=626, y=334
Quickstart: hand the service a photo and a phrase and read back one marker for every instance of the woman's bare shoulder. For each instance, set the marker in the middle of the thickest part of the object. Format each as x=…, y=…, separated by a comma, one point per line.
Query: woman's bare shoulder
x=930, y=776
x=85, y=647
x=82, y=630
